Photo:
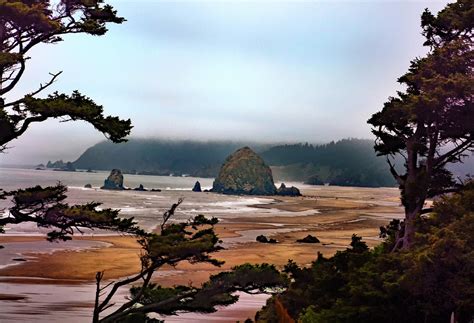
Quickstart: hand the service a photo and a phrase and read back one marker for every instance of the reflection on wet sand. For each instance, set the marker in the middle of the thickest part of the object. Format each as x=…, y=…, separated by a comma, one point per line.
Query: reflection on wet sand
x=66, y=289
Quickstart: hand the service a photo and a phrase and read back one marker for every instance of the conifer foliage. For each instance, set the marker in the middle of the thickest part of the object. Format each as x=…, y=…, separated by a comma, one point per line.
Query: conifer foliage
x=431, y=123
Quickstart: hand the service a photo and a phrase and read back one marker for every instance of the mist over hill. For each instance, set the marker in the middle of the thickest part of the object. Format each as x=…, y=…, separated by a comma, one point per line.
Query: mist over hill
x=348, y=162
x=162, y=157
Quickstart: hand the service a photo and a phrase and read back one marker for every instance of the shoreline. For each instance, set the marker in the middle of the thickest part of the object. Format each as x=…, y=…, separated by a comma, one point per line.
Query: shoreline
x=331, y=216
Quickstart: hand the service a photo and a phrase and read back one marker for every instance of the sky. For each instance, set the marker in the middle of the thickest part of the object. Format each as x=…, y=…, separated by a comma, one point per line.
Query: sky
x=271, y=71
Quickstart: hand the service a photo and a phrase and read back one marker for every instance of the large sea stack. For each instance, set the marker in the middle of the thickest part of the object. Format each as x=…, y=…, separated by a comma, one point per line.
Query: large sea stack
x=114, y=181
x=244, y=172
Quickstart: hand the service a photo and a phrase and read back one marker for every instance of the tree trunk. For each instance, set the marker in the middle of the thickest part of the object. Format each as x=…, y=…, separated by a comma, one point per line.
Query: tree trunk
x=409, y=232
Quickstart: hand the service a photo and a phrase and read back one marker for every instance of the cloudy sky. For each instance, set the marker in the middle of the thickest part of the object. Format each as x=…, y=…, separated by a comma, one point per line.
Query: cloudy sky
x=249, y=70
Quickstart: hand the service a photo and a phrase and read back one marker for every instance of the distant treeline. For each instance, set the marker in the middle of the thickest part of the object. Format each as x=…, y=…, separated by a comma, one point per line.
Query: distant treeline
x=347, y=162
x=161, y=157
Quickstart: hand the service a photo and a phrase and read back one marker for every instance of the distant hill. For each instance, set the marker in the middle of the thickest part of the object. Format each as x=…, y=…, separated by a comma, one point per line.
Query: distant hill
x=348, y=162
x=161, y=157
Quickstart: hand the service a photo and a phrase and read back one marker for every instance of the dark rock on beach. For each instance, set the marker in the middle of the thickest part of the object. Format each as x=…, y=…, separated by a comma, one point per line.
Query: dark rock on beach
x=309, y=239
x=261, y=238
x=88, y=186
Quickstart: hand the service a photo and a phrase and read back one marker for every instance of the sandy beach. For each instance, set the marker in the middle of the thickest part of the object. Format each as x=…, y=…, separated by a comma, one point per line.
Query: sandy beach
x=332, y=214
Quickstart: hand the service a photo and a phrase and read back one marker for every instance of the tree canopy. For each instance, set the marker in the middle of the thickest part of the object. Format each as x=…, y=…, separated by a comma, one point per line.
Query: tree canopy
x=193, y=241
x=24, y=25
x=28, y=23
x=431, y=282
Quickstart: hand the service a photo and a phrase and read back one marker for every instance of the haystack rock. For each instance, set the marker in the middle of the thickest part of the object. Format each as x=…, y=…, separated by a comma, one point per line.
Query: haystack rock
x=244, y=172
x=114, y=181
x=197, y=187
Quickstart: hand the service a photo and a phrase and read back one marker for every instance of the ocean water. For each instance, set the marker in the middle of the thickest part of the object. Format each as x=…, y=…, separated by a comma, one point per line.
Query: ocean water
x=146, y=207
x=60, y=303
x=12, y=178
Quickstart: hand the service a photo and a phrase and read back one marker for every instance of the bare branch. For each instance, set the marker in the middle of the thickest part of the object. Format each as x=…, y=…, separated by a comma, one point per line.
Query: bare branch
x=42, y=87
x=394, y=173
x=168, y=214
x=444, y=159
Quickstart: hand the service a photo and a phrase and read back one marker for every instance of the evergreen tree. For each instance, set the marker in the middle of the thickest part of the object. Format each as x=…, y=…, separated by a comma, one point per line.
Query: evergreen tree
x=24, y=25
x=431, y=123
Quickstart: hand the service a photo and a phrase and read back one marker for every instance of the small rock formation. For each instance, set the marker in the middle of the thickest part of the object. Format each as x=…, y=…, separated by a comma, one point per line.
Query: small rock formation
x=56, y=164
x=114, y=181
x=288, y=191
x=197, y=187
x=244, y=172
x=261, y=238
x=155, y=190
x=140, y=188
x=309, y=239
x=88, y=186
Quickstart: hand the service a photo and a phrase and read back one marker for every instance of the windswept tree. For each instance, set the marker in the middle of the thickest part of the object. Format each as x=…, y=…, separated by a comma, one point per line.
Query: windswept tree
x=193, y=241
x=23, y=25
x=431, y=123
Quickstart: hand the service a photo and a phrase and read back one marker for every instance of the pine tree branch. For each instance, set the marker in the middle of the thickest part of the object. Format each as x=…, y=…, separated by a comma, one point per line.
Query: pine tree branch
x=42, y=87
x=442, y=160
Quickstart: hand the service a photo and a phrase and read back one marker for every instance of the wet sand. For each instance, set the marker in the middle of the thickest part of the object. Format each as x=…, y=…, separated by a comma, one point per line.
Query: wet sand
x=332, y=214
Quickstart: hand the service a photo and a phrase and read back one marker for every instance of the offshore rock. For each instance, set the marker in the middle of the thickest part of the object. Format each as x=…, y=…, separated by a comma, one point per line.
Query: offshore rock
x=140, y=188
x=114, y=181
x=197, y=187
x=244, y=173
x=288, y=191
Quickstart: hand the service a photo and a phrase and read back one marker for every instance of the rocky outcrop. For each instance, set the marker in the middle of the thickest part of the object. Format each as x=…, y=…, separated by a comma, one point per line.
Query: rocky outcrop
x=197, y=187
x=114, y=181
x=88, y=186
x=262, y=239
x=140, y=188
x=57, y=164
x=244, y=172
x=308, y=239
x=288, y=191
